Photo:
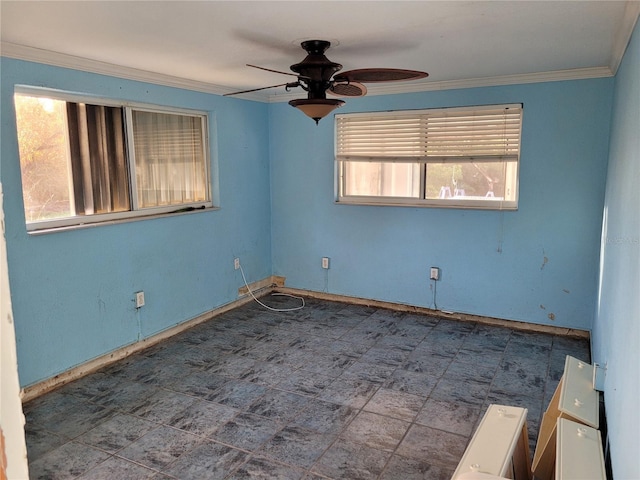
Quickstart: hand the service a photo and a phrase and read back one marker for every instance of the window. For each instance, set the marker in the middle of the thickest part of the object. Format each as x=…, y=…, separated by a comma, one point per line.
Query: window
x=452, y=157
x=85, y=161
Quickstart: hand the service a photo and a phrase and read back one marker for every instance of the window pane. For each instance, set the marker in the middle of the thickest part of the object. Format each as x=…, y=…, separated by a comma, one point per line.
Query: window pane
x=72, y=158
x=44, y=158
x=170, y=159
x=382, y=179
x=98, y=158
x=473, y=181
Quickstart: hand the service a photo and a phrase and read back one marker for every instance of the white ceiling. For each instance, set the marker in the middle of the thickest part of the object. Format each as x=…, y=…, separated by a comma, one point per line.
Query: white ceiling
x=206, y=45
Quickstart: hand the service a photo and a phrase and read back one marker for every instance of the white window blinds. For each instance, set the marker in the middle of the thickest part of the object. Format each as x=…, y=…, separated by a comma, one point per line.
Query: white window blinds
x=170, y=159
x=475, y=134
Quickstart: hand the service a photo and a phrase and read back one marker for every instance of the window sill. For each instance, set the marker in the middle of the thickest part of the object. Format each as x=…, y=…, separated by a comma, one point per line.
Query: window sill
x=413, y=203
x=129, y=219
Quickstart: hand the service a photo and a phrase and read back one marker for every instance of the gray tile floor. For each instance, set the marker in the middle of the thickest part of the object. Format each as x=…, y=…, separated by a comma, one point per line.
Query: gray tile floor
x=331, y=391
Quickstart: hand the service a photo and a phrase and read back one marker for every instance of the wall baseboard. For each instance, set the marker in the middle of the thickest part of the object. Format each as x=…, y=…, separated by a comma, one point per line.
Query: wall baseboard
x=261, y=288
x=463, y=317
x=40, y=388
x=269, y=282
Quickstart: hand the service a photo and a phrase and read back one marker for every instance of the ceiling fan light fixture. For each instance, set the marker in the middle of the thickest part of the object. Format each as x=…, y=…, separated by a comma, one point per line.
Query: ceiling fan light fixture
x=316, y=108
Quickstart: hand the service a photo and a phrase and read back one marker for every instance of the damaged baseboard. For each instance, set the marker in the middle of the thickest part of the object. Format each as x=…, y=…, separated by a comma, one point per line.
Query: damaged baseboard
x=259, y=287
x=463, y=317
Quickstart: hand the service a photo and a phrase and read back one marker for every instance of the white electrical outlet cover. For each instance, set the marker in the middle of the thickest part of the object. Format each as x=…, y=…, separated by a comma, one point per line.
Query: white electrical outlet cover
x=139, y=299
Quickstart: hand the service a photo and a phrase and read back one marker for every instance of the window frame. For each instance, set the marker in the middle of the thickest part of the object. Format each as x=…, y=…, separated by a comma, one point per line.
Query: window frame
x=422, y=201
x=135, y=212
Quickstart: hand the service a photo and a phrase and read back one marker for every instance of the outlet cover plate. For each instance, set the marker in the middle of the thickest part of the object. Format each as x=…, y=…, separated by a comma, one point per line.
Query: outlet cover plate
x=139, y=299
x=434, y=273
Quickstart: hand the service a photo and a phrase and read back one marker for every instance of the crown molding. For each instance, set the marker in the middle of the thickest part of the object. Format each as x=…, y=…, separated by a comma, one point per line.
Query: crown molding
x=22, y=52
x=48, y=57
x=414, y=87
x=623, y=34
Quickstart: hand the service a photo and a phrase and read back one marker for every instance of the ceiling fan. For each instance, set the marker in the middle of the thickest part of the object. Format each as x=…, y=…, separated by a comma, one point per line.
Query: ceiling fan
x=318, y=75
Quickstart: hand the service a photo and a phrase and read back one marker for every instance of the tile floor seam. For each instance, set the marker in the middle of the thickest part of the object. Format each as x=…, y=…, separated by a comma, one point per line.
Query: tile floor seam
x=386, y=464
x=496, y=372
x=277, y=461
x=338, y=436
x=413, y=423
x=333, y=442
x=159, y=470
x=546, y=380
x=166, y=467
x=120, y=458
x=253, y=455
x=258, y=448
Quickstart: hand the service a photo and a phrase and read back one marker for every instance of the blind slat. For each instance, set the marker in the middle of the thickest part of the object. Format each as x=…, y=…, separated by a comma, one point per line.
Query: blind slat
x=440, y=135
x=427, y=159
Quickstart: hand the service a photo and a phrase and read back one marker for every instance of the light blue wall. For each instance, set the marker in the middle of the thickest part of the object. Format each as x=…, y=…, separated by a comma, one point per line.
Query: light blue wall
x=73, y=291
x=616, y=335
x=538, y=264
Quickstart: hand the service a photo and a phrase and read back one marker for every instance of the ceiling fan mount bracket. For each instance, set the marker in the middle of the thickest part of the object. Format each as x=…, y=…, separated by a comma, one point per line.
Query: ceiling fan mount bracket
x=316, y=47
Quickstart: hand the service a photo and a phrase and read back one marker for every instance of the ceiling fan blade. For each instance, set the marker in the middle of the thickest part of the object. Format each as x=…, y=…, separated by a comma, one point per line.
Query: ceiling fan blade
x=290, y=85
x=278, y=71
x=373, y=75
x=348, y=89
x=270, y=70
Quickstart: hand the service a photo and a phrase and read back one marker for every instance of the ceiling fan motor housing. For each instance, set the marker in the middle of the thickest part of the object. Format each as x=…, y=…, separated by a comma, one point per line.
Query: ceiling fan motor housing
x=316, y=70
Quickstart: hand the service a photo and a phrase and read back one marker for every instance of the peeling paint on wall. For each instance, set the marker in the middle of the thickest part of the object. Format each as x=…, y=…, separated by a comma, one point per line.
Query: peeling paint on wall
x=545, y=260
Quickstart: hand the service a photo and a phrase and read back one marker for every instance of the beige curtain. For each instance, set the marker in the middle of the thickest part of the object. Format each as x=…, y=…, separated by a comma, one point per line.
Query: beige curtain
x=169, y=159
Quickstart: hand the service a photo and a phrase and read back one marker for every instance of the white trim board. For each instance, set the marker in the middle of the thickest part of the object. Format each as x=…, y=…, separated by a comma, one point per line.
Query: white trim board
x=463, y=317
x=415, y=87
x=47, y=57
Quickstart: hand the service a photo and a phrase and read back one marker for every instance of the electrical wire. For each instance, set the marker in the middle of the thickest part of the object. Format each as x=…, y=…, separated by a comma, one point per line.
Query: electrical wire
x=434, y=283
x=273, y=294
x=326, y=281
